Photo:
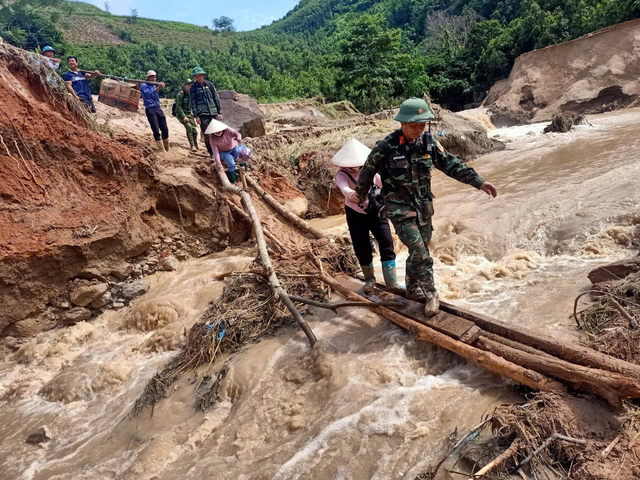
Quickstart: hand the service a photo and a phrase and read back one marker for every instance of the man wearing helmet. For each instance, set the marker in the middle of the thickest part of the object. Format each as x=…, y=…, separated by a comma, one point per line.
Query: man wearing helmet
x=404, y=160
x=49, y=54
x=205, y=103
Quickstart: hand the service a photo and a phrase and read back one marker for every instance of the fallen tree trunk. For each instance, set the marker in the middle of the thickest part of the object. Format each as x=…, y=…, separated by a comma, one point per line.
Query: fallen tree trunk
x=487, y=360
x=285, y=212
x=571, y=353
x=248, y=207
x=266, y=231
x=608, y=385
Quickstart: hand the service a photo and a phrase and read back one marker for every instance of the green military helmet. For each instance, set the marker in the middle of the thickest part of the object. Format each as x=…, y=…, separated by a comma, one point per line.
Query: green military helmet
x=414, y=110
x=188, y=81
x=198, y=71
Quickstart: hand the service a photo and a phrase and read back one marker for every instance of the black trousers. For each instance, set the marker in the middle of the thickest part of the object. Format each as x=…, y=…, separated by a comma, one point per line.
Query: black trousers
x=205, y=120
x=158, y=122
x=88, y=102
x=360, y=225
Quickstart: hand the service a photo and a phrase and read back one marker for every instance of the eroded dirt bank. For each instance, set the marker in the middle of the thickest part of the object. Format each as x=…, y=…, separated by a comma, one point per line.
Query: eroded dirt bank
x=594, y=73
x=75, y=204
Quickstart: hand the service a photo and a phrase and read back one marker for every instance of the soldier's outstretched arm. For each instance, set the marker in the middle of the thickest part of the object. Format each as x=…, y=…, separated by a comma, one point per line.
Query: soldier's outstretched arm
x=454, y=167
x=369, y=169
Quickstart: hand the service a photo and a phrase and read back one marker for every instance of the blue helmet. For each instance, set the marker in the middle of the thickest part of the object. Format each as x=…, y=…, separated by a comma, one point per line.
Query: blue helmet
x=48, y=48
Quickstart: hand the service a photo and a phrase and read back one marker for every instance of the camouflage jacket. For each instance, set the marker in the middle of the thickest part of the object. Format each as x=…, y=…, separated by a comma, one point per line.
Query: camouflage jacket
x=405, y=169
x=204, y=99
x=183, y=105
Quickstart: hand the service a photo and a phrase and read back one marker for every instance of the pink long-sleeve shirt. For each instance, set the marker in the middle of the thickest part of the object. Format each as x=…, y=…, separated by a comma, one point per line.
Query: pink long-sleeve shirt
x=346, y=186
x=229, y=140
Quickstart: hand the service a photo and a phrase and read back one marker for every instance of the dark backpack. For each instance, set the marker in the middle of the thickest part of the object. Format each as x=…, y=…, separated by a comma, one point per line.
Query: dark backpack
x=376, y=200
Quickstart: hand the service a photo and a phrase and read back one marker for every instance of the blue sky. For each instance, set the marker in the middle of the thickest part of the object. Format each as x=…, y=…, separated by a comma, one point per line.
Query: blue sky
x=248, y=14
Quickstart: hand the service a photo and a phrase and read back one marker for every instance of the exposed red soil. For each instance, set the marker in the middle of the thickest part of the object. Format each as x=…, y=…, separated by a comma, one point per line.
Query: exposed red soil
x=74, y=202
x=279, y=186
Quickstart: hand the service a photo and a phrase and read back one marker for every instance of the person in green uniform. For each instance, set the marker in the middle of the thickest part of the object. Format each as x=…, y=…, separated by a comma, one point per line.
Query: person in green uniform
x=183, y=113
x=404, y=160
x=205, y=103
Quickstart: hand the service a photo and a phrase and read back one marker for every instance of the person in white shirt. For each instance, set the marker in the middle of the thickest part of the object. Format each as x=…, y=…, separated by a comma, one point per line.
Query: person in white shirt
x=350, y=158
x=49, y=55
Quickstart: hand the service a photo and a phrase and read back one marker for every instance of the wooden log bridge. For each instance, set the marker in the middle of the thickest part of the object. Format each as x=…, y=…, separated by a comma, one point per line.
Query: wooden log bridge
x=522, y=355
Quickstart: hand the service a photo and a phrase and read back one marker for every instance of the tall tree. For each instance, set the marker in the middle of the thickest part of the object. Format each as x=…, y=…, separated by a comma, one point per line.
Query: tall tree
x=367, y=60
x=223, y=24
x=133, y=18
x=28, y=24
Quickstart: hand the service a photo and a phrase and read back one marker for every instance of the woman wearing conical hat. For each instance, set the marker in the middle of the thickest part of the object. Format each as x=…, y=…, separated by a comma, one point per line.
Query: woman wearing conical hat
x=226, y=145
x=350, y=158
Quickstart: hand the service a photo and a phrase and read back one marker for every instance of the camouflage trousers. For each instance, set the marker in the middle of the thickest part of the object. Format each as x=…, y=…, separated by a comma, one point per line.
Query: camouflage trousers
x=416, y=235
x=190, y=126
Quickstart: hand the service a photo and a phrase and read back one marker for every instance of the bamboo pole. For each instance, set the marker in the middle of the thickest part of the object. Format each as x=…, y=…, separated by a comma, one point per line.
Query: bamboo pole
x=248, y=207
x=267, y=232
x=334, y=306
x=486, y=360
x=285, y=212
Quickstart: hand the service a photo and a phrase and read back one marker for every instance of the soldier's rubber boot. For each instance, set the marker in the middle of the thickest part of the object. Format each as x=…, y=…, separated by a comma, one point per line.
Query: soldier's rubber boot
x=165, y=142
x=431, y=305
x=195, y=141
x=414, y=290
x=190, y=138
x=369, y=278
x=160, y=145
x=389, y=274
x=231, y=176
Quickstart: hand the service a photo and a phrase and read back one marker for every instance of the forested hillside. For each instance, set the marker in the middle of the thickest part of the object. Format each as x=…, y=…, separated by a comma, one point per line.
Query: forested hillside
x=371, y=52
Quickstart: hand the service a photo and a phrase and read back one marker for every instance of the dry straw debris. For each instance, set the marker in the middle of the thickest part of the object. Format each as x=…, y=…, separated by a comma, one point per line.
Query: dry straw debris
x=611, y=325
x=246, y=312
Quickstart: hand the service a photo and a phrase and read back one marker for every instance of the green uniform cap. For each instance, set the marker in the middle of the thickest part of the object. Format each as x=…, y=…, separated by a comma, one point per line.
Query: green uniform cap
x=414, y=110
x=198, y=71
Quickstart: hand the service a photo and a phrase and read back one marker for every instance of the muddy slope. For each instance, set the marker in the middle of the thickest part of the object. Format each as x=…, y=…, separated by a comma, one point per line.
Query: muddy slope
x=73, y=202
x=592, y=74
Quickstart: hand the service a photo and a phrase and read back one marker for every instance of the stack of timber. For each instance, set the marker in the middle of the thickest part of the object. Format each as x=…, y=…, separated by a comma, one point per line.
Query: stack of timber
x=520, y=354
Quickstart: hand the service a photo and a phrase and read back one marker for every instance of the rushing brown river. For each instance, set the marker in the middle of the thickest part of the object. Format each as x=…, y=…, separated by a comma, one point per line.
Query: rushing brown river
x=368, y=402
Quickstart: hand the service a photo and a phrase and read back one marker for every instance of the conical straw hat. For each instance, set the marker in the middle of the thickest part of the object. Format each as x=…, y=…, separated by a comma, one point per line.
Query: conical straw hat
x=215, y=126
x=353, y=154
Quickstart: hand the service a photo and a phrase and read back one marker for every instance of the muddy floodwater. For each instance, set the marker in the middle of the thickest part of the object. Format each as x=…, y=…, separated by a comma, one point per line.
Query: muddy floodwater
x=368, y=402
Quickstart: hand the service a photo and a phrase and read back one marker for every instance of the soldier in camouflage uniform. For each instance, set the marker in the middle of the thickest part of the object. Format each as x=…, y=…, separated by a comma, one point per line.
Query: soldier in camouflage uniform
x=183, y=113
x=205, y=103
x=404, y=160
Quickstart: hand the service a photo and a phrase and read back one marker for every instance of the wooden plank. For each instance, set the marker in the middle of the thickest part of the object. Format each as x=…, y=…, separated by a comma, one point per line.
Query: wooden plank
x=453, y=326
x=471, y=335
